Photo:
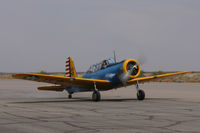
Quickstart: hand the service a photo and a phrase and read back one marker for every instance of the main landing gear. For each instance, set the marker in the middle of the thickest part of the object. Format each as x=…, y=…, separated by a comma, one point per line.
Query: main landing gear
x=96, y=96
x=70, y=95
x=140, y=93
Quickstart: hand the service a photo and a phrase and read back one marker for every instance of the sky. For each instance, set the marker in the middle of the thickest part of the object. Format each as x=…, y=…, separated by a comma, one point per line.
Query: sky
x=38, y=35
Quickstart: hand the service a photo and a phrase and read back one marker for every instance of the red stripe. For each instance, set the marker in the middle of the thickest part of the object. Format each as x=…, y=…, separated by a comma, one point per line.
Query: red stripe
x=67, y=73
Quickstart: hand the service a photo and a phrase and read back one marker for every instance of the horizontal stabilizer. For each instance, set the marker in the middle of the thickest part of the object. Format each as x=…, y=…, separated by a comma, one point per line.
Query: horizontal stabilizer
x=51, y=88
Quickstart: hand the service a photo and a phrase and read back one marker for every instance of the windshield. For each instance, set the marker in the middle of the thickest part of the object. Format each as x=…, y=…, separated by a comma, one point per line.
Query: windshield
x=102, y=65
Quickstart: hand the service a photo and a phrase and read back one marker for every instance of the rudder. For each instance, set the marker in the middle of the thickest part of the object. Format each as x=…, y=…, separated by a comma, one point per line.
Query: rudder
x=70, y=68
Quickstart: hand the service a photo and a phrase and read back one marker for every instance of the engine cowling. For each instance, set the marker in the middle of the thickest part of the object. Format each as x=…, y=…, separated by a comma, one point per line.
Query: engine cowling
x=131, y=68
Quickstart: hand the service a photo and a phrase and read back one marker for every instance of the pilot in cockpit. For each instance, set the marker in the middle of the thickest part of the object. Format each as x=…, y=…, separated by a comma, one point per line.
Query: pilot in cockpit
x=104, y=64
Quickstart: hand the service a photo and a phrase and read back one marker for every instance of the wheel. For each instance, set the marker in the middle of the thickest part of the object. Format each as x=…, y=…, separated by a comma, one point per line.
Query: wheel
x=96, y=96
x=140, y=95
x=70, y=96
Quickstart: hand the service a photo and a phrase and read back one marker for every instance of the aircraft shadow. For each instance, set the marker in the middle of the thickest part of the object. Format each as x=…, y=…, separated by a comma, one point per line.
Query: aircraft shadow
x=65, y=100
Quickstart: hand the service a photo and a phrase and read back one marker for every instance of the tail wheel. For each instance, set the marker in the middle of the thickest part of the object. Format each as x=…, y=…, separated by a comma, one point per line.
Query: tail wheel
x=140, y=95
x=96, y=96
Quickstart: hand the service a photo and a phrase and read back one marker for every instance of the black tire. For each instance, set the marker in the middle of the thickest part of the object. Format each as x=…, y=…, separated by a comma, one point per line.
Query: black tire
x=70, y=96
x=140, y=95
x=96, y=96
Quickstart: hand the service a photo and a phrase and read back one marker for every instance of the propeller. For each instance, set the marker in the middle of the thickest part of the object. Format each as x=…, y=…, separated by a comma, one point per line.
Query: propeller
x=132, y=69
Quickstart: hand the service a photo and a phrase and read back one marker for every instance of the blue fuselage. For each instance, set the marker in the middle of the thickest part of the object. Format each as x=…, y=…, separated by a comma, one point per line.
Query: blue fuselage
x=118, y=74
x=111, y=73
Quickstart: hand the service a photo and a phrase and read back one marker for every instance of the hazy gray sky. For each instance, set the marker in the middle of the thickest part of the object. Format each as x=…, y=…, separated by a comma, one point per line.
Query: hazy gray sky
x=37, y=35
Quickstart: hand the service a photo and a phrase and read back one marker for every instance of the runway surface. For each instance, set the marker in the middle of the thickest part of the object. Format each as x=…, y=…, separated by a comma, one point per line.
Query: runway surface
x=169, y=107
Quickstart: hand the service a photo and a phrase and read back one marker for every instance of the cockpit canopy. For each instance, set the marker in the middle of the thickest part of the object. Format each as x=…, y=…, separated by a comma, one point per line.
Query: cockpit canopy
x=102, y=65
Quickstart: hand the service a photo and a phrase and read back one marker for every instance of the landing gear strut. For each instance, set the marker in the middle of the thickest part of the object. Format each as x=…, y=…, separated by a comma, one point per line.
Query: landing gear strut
x=96, y=96
x=140, y=93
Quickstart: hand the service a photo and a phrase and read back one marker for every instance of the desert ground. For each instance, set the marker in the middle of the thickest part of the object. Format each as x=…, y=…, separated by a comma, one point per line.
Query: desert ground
x=168, y=107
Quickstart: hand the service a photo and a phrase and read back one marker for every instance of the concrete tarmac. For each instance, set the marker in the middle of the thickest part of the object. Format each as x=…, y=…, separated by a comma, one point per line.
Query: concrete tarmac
x=168, y=108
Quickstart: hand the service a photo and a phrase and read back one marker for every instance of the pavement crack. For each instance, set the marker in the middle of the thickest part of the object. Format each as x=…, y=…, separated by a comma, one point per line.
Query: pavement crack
x=173, y=124
x=77, y=126
x=151, y=117
x=19, y=116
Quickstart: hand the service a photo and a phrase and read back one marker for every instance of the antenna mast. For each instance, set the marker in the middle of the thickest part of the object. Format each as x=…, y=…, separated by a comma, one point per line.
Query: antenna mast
x=115, y=57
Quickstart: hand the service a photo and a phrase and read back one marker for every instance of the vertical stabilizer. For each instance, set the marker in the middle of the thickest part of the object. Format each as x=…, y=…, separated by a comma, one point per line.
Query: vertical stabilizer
x=70, y=68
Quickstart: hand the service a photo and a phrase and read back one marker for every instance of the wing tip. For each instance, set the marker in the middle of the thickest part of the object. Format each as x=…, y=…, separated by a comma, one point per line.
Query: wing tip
x=186, y=72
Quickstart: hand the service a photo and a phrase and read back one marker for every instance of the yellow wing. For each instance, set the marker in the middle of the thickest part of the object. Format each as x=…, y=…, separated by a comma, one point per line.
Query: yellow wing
x=150, y=78
x=63, y=82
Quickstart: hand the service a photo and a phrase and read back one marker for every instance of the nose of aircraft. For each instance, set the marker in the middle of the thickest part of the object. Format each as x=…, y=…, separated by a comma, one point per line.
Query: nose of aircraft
x=131, y=69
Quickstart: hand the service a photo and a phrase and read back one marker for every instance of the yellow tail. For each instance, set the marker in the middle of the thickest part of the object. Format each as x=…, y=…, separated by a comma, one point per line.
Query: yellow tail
x=70, y=68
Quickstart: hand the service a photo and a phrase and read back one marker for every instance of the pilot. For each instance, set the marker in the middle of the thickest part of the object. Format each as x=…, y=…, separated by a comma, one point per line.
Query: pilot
x=104, y=64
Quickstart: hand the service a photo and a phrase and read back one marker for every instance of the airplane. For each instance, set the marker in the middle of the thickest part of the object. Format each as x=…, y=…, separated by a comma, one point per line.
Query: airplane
x=103, y=76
